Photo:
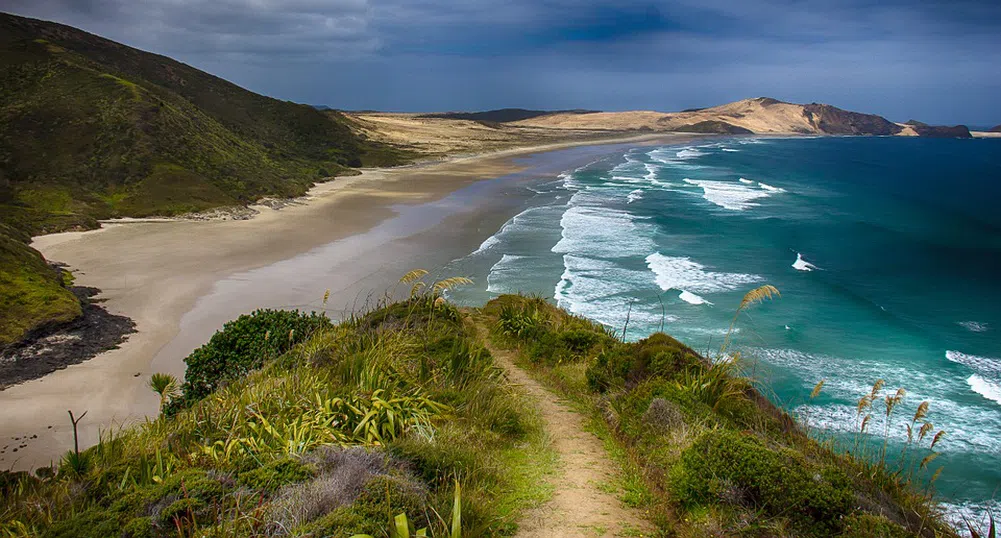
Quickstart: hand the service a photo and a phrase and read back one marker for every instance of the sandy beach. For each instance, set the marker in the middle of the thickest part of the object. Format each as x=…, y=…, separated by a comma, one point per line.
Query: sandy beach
x=181, y=280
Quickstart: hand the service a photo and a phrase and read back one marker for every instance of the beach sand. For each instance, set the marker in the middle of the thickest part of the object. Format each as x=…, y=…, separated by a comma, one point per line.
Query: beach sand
x=181, y=280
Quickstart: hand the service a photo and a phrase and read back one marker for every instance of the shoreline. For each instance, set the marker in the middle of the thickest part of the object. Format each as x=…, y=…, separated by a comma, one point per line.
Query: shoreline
x=157, y=272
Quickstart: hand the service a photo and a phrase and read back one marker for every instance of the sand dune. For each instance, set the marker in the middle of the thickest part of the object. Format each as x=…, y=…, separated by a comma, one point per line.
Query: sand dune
x=760, y=115
x=440, y=137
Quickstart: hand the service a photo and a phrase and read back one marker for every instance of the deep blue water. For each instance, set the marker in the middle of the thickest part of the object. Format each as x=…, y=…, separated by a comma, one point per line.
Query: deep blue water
x=898, y=243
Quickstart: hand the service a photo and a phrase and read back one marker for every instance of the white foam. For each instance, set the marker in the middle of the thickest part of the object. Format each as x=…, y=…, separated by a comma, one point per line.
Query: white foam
x=634, y=196
x=973, y=326
x=674, y=159
x=487, y=243
x=689, y=153
x=506, y=266
x=683, y=274
x=746, y=181
x=651, y=172
x=972, y=428
x=729, y=195
x=691, y=298
x=603, y=233
x=802, y=265
x=731, y=150
x=985, y=388
x=769, y=188
x=601, y=290
x=984, y=366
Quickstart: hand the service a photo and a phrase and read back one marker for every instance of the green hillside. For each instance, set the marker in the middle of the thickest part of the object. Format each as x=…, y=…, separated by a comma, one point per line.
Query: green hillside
x=91, y=129
x=323, y=430
x=32, y=294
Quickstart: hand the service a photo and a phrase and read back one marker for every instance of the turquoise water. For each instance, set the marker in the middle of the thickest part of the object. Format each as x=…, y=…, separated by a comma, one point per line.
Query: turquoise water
x=887, y=252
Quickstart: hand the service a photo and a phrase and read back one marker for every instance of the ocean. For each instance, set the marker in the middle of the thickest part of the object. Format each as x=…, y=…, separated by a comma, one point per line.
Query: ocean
x=887, y=253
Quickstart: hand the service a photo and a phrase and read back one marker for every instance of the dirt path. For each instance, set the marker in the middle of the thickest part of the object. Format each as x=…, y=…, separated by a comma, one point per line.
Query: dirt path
x=579, y=507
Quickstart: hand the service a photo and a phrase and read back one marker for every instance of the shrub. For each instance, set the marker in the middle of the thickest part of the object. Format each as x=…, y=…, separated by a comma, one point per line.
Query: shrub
x=90, y=523
x=565, y=345
x=343, y=474
x=184, y=512
x=275, y=475
x=140, y=527
x=382, y=495
x=724, y=467
x=630, y=364
x=663, y=415
x=244, y=344
x=523, y=322
x=872, y=526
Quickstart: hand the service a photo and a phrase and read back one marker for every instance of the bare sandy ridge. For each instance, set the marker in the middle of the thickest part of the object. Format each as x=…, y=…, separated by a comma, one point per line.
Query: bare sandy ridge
x=761, y=116
x=154, y=272
x=442, y=136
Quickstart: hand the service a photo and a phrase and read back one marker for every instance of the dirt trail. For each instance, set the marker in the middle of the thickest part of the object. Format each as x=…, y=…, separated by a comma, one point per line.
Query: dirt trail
x=579, y=507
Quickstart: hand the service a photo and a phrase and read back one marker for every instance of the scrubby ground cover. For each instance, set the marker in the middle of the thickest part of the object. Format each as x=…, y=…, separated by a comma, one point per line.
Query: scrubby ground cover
x=290, y=425
x=335, y=434
x=32, y=294
x=702, y=450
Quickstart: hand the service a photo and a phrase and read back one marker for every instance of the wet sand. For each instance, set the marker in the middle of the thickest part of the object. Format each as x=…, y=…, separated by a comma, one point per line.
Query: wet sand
x=181, y=280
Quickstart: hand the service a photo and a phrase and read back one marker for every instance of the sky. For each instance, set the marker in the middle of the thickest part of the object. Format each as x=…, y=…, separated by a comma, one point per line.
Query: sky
x=937, y=61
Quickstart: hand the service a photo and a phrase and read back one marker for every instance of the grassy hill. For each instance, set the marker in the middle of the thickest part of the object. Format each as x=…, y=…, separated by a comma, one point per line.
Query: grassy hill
x=32, y=294
x=92, y=129
x=315, y=429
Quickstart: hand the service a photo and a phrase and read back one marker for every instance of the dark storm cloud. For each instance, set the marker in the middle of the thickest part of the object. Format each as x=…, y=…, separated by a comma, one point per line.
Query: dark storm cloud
x=931, y=59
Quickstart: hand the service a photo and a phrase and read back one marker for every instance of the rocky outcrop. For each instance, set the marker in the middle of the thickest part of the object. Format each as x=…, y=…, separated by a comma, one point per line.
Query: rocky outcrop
x=942, y=131
x=996, y=129
x=832, y=120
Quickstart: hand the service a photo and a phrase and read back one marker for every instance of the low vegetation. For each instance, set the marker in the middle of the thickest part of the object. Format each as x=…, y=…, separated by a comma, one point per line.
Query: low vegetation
x=703, y=451
x=398, y=423
x=335, y=433
x=33, y=295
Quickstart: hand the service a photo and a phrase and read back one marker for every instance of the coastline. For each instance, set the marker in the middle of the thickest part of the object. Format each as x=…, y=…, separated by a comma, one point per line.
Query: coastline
x=156, y=272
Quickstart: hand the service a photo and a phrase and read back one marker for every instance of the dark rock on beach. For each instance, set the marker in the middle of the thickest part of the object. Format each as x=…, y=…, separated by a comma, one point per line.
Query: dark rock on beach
x=55, y=348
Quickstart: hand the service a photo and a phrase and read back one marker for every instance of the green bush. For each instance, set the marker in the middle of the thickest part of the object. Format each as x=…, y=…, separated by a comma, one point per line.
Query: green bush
x=630, y=364
x=244, y=344
x=522, y=322
x=140, y=527
x=90, y=523
x=565, y=345
x=184, y=512
x=872, y=526
x=728, y=468
x=275, y=475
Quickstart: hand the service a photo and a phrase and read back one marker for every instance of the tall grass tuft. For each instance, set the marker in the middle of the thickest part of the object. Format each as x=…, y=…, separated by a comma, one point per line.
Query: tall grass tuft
x=166, y=387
